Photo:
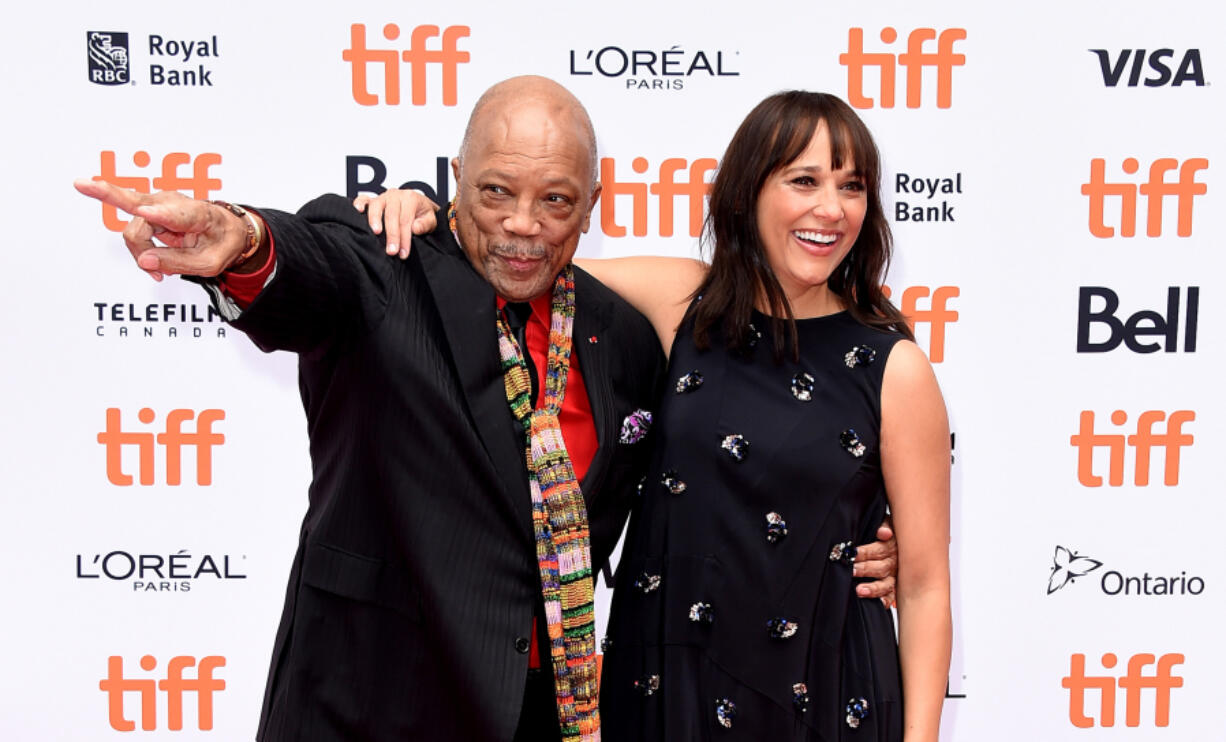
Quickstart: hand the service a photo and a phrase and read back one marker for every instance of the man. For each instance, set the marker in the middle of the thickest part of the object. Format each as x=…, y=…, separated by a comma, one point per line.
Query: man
x=429, y=551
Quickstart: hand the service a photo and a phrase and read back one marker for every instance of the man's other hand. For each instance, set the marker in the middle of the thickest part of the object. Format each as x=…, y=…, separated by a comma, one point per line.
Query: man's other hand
x=878, y=560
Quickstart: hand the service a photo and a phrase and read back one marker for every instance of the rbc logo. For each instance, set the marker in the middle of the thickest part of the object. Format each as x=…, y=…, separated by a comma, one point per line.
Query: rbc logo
x=1113, y=71
x=174, y=438
x=417, y=56
x=109, y=63
x=914, y=59
x=204, y=685
x=199, y=183
x=1132, y=683
x=1184, y=190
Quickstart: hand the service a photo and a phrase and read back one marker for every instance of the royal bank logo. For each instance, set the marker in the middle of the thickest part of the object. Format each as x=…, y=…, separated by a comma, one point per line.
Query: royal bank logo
x=109, y=61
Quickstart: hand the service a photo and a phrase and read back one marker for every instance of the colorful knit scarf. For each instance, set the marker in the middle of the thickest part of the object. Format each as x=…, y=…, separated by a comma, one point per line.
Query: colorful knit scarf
x=559, y=519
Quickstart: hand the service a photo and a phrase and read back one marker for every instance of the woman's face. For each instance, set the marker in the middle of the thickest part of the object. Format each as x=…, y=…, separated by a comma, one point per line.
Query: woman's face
x=809, y=216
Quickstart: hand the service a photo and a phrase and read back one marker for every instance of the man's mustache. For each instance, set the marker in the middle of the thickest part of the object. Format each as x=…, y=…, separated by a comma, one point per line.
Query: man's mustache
x=519, y=252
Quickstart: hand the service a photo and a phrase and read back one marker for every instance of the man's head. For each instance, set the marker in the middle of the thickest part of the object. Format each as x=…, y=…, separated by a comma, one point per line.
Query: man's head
x=526, y=184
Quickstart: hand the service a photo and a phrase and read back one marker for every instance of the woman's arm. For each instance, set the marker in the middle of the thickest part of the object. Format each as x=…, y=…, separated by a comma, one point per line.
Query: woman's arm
x=915, y=463
x=660, y=288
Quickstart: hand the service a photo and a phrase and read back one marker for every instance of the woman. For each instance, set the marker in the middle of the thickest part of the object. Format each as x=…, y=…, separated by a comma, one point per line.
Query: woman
x=800, y=410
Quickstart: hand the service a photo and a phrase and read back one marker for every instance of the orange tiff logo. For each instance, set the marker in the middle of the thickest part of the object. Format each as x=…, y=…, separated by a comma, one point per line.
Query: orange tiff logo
x=936, y=316
x=200, y=183
x=204, y=685
x=1171, y=439
x=1155, y=190
x=1160, y=682
x=914, y=60
x=417, y=56
x=676, y=178
x=173, y=438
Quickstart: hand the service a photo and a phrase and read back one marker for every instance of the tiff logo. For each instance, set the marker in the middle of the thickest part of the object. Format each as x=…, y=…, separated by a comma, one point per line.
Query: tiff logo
x=691, y=186
x=914, y=59
x=1171, y=440
x=936, y=316
x=173, y=439
x=204, y=685
x=417, y=56
x=1132, y=683
x=200, y=183
x=109, y=62
x=1155, y=190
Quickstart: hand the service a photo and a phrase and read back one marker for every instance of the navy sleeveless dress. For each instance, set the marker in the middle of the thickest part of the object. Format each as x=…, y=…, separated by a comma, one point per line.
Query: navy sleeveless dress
x=734, y=615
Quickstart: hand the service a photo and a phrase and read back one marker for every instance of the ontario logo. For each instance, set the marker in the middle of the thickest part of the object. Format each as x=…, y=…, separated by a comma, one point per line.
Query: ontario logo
x=109, y=61
x=1068, y=566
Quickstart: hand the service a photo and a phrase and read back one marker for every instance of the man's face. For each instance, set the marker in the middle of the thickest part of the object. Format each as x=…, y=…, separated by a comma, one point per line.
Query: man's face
x=524, y=195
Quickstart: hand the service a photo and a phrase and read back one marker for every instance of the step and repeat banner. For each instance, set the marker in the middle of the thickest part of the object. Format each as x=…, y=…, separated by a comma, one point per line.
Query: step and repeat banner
x=1052, y=180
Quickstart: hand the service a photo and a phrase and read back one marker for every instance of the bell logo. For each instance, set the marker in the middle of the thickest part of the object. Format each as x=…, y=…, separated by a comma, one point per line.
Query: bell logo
x=1190, y=68
x=1146, y=323
x=937, y=316
x=1143, y=442
x=173, y=438
x=692, y=186
x=1185, y=190
x=199, y=183
x=1160, y=682
x=204, y=685
x=358, y=167
x=914, y=59
x=417, y=56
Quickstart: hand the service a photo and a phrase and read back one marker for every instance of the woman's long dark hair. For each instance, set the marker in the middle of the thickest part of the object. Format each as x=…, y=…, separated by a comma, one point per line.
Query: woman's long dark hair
x=775, y=133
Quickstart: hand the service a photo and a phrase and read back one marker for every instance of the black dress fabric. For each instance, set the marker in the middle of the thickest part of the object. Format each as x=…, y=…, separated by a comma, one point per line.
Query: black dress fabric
x=734, y=616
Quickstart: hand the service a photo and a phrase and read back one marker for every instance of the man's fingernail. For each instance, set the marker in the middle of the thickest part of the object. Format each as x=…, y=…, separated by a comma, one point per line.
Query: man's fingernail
x=404, y=253
x=391, y=248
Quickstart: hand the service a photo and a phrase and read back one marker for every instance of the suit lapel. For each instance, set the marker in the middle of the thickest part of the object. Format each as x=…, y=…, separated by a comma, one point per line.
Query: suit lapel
x=466, y=307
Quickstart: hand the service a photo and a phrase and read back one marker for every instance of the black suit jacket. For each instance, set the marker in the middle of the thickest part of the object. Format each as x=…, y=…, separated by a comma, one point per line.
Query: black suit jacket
x=415, y=580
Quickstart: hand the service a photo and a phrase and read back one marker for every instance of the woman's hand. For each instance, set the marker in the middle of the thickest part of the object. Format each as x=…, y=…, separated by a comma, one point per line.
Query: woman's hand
x=402, y=212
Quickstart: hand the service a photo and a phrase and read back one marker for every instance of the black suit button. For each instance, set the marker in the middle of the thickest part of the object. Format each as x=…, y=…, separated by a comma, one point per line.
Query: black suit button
x=522, y=645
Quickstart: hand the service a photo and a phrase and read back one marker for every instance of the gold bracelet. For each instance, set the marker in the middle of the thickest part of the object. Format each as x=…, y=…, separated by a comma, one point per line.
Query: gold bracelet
x=255, y=232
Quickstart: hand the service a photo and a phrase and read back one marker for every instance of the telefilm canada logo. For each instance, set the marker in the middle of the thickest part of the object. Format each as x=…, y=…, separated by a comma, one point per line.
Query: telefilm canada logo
x=109, y=60
x=154, y=321
x=1068, y=566
x=667, y=69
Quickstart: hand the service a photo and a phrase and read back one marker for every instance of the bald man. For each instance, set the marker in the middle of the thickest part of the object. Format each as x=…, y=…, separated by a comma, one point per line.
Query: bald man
x=471, y=469
x=416, y=588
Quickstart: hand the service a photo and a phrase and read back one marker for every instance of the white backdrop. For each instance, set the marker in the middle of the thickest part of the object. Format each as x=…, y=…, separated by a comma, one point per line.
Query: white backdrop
x=1010, y=107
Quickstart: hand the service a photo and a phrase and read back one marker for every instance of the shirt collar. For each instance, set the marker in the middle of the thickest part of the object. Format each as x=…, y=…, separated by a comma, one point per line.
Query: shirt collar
x=542, y=308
